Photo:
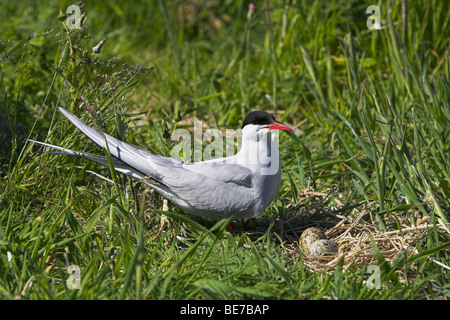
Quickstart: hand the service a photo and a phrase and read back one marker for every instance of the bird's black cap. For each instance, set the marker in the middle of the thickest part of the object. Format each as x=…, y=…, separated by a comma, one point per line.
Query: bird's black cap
x=258, y=118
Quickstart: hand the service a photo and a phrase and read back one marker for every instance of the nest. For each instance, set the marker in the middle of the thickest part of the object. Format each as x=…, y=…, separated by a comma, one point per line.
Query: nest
x=354, y=241
x=353, y=233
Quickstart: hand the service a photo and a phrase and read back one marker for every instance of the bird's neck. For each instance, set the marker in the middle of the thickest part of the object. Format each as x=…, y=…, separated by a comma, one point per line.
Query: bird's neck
x=260, y=152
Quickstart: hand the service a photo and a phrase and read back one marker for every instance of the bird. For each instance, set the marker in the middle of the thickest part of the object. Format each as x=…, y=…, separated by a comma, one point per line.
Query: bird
x=238, y=187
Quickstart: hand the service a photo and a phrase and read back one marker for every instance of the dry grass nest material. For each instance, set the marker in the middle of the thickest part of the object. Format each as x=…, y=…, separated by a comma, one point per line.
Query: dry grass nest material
x=352, y=233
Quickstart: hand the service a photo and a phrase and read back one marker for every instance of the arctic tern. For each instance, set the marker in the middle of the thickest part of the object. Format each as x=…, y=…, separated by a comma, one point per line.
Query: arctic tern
x=240, y=186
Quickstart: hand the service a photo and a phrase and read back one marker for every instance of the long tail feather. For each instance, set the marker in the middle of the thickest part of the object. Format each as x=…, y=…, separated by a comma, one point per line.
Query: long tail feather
x=139, y=159
x=118, y=165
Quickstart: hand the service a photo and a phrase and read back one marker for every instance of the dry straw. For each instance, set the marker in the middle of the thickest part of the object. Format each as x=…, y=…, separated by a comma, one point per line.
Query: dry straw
x=352, y=233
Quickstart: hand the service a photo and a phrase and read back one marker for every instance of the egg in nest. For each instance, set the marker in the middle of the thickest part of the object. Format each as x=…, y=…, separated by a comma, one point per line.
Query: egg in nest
x=313, y=242
x=322, y=247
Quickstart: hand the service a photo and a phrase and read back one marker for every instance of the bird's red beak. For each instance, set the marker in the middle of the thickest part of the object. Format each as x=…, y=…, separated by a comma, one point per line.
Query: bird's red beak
x=279, y=126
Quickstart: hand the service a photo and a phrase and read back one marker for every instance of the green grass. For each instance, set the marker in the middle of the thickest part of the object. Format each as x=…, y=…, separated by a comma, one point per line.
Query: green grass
x=371, y=107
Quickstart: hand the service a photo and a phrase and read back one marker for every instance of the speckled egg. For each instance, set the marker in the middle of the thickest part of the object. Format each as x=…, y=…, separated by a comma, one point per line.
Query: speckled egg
x=309, y=236
x=322, y=247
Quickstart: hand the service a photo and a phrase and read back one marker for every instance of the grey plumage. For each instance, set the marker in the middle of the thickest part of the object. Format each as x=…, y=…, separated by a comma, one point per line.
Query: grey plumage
x=234, y=186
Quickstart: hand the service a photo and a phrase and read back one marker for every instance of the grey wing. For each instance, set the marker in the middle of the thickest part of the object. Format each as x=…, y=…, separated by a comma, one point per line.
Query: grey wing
x=217, y=188
x=210, y=188
x=139, y=159
x=222, y=171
